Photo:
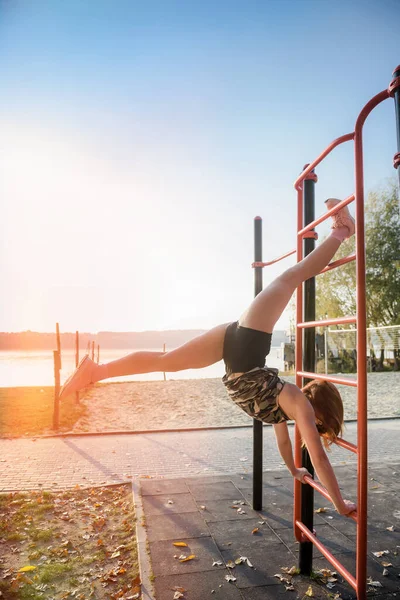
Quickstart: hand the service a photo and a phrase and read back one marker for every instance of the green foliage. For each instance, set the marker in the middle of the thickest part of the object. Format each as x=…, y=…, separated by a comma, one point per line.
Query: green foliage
x=336, y=289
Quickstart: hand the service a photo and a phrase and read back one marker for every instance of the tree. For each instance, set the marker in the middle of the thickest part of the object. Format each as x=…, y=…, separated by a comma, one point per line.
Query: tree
x=336, y=289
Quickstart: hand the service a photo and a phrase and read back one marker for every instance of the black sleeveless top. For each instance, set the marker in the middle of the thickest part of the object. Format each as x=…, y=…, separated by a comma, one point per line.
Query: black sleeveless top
x=245, y=348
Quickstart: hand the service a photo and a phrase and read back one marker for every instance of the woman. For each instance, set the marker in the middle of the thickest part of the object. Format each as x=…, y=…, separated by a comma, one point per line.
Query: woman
x=244, y=345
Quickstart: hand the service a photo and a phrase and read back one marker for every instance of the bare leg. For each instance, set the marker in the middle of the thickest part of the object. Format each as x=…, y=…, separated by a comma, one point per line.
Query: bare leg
x=202, y=351
x=268, y=306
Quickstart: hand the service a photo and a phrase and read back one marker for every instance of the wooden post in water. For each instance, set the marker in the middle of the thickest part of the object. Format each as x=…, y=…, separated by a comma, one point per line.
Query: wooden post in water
x=88, y=348
x=93, y=350
x=56, y=412
x=98, y=353
x=165, y=377
x=58, y=342
x=76, y=360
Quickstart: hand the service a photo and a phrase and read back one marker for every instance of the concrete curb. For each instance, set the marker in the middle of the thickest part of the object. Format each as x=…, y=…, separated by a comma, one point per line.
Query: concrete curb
x=145, y=569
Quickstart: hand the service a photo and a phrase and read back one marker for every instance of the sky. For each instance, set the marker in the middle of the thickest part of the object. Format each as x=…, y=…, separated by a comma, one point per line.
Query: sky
x=140, y=139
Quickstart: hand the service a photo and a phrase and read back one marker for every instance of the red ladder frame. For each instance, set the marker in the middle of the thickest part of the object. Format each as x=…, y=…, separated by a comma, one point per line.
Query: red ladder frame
x=302, y=532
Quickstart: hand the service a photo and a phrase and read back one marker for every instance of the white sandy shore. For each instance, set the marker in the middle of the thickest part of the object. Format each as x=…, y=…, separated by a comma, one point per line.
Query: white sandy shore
x=203, y=403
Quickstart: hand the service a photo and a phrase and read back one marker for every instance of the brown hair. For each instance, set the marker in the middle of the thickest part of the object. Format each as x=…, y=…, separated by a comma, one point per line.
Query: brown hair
x=328, y=407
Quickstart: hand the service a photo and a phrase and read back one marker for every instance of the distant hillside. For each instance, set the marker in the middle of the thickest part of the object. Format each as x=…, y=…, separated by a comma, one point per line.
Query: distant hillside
x=31, y=340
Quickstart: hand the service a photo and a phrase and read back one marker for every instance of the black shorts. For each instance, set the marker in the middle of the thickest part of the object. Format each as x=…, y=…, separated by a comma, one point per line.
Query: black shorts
x=245, y=348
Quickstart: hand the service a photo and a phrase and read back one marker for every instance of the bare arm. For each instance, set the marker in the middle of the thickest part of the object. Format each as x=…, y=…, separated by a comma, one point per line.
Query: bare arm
x=285, y=449
x=305, y=419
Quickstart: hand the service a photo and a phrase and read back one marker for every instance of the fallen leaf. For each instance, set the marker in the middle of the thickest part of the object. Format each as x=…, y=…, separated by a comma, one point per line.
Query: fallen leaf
x=385, y=572
x=230, y=564
x=178, y=595
x=290, y=571
x=386, y=564
x=330, y=586
x=380, y=553
x=217, y=563
x=255, y=530
x=230, y=578
x=391, y=528
x=310, y=592
x=289, y=588
x=203, y=507
x=180, y=544
x=190, y=557
x=115, y=555
x=27, y=568
x=376, y=584
x=320, y=510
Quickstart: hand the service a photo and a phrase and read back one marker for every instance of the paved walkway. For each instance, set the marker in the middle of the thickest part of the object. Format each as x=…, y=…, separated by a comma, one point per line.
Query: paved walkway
x=201, y=512
x=64, y=462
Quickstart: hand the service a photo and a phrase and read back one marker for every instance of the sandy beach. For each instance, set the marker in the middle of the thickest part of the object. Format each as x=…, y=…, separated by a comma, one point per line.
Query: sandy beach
x=175, y=404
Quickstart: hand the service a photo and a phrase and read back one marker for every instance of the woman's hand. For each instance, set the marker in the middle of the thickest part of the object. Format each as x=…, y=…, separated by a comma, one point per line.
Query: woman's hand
x=346, y=508
x=300, y=474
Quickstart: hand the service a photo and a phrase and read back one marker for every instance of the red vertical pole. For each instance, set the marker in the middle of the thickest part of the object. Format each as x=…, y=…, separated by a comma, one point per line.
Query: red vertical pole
x=299, y=365
x=362, y=428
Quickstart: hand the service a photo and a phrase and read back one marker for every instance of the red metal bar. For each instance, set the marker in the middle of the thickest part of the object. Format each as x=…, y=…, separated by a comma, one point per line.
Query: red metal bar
x=272, y=262
x=362, y=433
x=323, y=491
x=324, y=377
x=326, y=215
x=328, y=150
x=325, y=322
x=346, y=445
x=338, y=263
x=328, y=555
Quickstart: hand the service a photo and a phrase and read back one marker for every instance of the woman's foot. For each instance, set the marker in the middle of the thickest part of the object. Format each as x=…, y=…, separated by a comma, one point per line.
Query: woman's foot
x=80, y=378
x=341, y=219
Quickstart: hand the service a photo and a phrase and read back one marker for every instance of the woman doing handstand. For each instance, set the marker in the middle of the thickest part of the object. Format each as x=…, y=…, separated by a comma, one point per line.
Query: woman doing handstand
x=257, y=389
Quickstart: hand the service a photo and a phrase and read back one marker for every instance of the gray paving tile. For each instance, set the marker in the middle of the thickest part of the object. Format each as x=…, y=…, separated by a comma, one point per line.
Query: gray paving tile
x=176, y=527
x=278, y=517
x=374, y=569
x=197, y=586
x=166, y=504
x=336, y=542
x=229, y=534
x=301, y=585
x=225, y=510
x=266, y=561
x=160, y=486
x=218, y=490
x=205, y=550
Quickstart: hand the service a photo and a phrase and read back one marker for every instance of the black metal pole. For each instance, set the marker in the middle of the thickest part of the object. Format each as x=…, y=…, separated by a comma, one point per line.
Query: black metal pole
x=307, y=492
x=396, y=97
x=257, y=425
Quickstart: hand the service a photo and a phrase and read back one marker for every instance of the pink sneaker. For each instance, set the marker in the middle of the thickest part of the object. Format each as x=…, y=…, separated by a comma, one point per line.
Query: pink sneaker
x=342, y=218
x=80, y=378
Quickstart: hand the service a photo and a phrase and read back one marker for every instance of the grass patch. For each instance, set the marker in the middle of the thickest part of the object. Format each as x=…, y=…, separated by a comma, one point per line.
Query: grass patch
x=28, y=411
x=84, y=538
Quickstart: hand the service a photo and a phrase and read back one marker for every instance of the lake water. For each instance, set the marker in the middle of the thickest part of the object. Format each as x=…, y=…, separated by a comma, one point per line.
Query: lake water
x=35, y=367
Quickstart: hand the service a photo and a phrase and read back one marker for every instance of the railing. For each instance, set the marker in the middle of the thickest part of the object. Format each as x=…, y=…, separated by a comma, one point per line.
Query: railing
x=305, y=361
x=90, y=350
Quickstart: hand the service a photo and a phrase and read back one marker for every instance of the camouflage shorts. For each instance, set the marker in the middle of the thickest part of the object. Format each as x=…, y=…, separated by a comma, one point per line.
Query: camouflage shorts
x=256, y=392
